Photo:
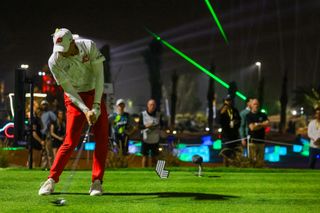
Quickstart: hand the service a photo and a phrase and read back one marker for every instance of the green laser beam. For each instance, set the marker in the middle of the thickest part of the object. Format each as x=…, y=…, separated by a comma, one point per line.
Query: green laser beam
x=194, y=63
x=216, y=20
x=240, y=95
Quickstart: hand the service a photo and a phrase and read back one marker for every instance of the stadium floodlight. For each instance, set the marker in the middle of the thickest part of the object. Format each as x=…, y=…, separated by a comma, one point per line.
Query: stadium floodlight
x=194, y=63
x=215, y=18
x=24, y=66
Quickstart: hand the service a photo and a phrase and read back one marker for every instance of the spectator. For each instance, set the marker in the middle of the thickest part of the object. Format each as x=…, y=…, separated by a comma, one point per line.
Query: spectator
x=314, y=135
x=121, y=124
x=291, y=126
x=244, y=128
x=150, y=122
x=257, y=122
x=38, y=141
x=229, y=120
x=58, y=132
x=48, y=117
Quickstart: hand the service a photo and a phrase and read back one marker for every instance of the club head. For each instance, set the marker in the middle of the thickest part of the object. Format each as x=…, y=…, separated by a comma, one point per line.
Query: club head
x=59, y=202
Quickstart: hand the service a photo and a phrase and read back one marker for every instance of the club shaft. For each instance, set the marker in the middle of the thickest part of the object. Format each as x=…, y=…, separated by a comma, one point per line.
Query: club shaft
x=76, y=161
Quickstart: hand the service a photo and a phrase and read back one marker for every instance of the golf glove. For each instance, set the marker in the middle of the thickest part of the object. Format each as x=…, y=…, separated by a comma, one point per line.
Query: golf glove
x=96, y=110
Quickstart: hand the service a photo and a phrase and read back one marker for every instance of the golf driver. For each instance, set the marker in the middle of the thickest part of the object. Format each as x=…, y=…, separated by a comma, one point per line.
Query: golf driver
x=61, y=201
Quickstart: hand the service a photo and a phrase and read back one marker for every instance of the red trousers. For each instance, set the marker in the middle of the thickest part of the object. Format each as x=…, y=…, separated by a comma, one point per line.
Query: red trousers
x=75, y=121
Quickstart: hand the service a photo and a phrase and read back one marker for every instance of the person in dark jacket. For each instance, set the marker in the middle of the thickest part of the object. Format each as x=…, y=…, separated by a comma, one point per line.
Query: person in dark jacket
x=257, y=122
x=229, y=120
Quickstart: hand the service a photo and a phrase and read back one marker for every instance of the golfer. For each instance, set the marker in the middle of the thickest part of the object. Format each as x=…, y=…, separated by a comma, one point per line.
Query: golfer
x=77, y=66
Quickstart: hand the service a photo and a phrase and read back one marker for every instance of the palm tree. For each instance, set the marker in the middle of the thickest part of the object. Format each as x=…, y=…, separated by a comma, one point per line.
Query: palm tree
x=308, y=98
x=152, y=58
x=105, y=50
x=210, y=97
x=284, y=102
x=174, y=80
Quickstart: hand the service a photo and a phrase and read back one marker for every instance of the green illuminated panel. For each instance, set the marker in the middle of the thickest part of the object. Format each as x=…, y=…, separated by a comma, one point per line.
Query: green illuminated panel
x=13, y=148
x=305, y=150
x=305, y=153
x=181, y=146
x=217, y=144
x=184, y=157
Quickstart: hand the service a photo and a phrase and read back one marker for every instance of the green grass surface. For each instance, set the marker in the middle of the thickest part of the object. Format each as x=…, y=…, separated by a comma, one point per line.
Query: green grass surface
x=138, y=190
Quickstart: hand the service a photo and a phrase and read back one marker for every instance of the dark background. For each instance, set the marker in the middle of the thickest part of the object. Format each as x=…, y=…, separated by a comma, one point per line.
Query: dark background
x=282, y=34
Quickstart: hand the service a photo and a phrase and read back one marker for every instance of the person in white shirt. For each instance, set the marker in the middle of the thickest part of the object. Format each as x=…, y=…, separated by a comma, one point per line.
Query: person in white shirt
x=77, y=65
x=314, y=135
x=150, y=122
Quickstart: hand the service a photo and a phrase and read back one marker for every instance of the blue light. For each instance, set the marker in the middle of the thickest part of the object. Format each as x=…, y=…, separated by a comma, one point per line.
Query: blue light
x=269, y=149
x=297, y=148
x=90, y=146
x=272, y=157
x=134, y=147
x=206, y=140
x=283, y=150
x=304, y=141
x=186, y=153
x=272, y=153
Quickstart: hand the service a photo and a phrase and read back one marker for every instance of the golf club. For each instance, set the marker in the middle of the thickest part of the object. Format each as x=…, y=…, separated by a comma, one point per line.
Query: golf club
x=62, y=201
x=75, y=162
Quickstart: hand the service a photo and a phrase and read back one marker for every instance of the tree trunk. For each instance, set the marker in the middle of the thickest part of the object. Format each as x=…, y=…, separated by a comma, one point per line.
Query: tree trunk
x=210, y=98
x=232, y=91
x=105, y=51
x=283, y=102
x=174, y=80
x=261, y=92
x=152, y=58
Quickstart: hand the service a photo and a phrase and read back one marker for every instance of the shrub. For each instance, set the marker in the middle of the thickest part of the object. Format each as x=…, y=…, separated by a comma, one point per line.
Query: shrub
x=239, y=160
x=168, y=155
x=116, y=159
x=4, y=162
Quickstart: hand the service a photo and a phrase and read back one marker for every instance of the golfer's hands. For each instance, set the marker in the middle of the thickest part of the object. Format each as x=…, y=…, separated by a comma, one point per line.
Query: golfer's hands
x=96, y=110
x=91, y=117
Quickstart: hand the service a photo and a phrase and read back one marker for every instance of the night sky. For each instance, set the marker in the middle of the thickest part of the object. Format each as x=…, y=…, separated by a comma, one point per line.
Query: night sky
x=281, y=34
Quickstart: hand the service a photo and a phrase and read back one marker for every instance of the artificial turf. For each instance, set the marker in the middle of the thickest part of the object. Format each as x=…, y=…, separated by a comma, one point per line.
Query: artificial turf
x=141, y=190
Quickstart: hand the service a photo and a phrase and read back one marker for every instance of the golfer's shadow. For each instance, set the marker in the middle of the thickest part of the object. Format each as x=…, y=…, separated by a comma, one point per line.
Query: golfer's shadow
x=196, y=196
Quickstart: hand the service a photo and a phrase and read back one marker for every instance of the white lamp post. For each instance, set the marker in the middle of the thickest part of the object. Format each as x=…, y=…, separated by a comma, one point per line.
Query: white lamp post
x=258, y=64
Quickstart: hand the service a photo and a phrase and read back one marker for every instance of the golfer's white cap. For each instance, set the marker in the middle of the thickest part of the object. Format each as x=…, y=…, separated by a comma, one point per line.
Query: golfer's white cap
x=120, y=101
x=61, y=40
